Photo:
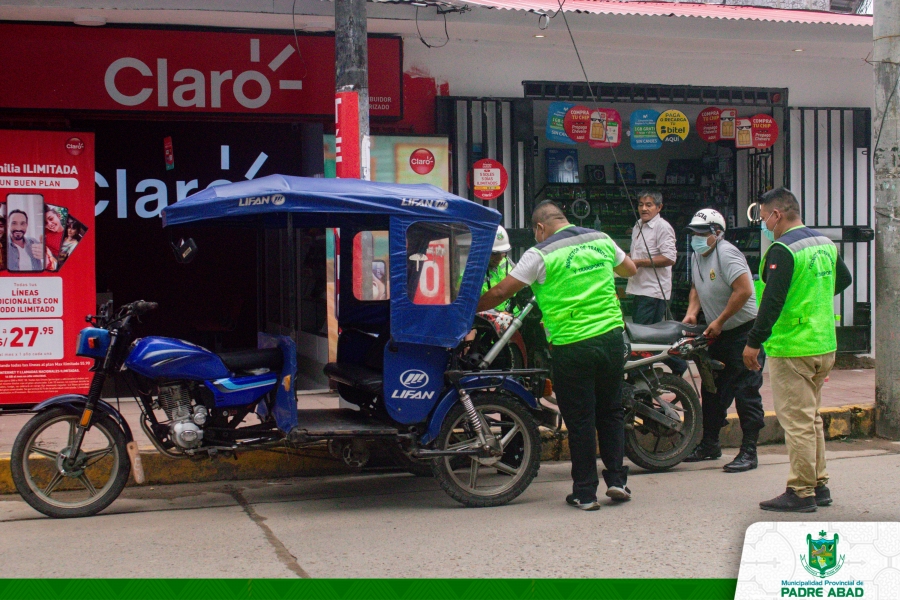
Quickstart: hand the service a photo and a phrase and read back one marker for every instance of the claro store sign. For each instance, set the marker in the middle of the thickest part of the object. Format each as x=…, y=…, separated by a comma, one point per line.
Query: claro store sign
x=167, y=70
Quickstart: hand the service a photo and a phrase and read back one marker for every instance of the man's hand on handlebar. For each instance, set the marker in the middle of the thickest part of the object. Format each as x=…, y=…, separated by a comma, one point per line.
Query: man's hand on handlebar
x=713, y=330
x=690, y=319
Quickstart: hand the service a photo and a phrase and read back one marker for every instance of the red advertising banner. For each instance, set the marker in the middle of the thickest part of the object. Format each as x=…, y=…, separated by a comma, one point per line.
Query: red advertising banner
x=169, y=70
x=606, y=128
x=434, y=280
x=765, y=131
x=489, y=179
x=346, y=135
x=47, y=283
x=577, y=123
x=708, y=124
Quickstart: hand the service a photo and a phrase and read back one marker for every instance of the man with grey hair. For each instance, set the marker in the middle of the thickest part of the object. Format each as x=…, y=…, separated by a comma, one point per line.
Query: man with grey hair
x=654, y=252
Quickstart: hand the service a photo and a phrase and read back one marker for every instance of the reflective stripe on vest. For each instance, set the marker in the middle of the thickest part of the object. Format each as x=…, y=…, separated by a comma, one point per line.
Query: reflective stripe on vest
x=578, y=297
x=807, y=321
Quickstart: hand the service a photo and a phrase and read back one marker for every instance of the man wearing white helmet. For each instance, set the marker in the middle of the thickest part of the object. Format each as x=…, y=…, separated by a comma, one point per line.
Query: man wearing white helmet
x=499, y=265
x=723, y=287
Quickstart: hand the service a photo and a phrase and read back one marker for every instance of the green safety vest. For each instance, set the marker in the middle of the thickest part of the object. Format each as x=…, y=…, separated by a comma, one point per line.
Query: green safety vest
x=578, y=297
x=495, y=276
x=806, y=324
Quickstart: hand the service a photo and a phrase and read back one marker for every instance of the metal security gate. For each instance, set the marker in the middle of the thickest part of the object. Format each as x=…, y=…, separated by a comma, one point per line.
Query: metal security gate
x=496, y=128
x=831, y=174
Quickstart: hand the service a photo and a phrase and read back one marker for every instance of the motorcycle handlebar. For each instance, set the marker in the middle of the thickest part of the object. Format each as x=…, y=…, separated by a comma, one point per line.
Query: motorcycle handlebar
x=140, y=307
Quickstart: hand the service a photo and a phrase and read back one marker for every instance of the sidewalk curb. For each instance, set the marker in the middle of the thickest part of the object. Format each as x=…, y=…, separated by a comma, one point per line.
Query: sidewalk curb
x=854, y=421
x=162, y=470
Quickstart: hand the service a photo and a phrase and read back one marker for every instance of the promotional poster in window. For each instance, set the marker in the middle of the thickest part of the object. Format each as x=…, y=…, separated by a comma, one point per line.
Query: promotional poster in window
x=47, y=283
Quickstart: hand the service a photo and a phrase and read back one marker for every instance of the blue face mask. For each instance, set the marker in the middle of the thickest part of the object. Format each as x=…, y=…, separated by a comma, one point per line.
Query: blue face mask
x=770, y=235
x=699, y=244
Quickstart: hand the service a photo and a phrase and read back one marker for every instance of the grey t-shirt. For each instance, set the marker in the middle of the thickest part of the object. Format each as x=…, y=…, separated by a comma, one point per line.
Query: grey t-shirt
x=712, y=277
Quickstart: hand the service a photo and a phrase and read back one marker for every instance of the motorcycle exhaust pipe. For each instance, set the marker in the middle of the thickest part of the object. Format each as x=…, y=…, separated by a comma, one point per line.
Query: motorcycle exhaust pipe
x=137, y=467
x=507, y=335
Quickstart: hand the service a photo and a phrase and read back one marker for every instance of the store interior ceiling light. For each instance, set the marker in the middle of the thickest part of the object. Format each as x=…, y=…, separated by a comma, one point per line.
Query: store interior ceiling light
x=540, y=35
x=798, y=49
x=90, y=21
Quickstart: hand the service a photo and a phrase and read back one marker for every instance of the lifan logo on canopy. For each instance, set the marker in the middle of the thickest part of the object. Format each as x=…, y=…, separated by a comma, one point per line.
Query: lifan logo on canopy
x=425, y=203
x=274, y=200
x=251, y=89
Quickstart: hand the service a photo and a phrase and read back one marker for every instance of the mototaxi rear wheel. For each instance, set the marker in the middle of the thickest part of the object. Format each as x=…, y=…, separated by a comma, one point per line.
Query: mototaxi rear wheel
x=478, y=482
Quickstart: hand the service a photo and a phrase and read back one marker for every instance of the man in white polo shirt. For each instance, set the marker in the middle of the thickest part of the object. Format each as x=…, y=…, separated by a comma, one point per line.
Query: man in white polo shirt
x=653, y=251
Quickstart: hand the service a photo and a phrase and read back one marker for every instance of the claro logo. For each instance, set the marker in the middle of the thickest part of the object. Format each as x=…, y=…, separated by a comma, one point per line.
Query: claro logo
x=198, y=89
x=421, y=161
x=74, y=146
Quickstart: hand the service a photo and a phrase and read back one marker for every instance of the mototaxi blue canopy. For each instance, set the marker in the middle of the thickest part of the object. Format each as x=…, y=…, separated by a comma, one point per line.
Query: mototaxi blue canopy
x=336, y=202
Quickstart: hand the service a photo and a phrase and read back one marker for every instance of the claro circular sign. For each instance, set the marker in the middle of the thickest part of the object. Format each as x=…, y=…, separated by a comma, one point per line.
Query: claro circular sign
x=74, y=146
x=421, y=161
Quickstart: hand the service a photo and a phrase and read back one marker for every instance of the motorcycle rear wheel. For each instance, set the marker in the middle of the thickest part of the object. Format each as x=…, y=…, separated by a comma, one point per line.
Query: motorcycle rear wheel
x=651, y=445
x=98, y=477
x=477, y=482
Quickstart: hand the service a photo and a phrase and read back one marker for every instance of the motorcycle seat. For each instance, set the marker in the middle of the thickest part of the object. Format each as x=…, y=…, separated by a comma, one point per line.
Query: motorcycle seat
x=665, y=332
x=356, y=376
x=247, y=360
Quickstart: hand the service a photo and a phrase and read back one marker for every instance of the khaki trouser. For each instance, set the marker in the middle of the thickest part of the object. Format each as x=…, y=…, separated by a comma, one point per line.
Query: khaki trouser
x=797, y=391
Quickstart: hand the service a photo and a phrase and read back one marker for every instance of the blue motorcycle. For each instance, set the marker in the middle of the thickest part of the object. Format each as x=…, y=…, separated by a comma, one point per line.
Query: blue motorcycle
x=402, y=363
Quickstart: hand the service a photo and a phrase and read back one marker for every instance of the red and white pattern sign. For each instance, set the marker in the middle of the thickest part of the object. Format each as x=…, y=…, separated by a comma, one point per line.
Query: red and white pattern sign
x=708, y=124
x=489, y=179
x=169, y=70
x=765, y=131
x=434, y=274
x=577, y=123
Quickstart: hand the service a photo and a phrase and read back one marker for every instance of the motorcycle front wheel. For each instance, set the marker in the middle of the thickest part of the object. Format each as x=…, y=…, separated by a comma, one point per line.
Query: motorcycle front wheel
x=654, y=446
x=478, y=482
x=58, y=490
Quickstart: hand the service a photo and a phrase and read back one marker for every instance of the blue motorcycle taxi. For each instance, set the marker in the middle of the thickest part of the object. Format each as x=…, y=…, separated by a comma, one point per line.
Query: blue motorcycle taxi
x=414, y=383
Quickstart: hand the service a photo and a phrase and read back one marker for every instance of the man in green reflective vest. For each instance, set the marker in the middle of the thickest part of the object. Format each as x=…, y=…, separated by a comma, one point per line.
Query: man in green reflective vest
x=571, y=271
x=801, y=272
x=499, y=266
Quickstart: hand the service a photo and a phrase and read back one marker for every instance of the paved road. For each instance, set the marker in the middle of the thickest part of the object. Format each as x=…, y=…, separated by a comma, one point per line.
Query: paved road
x=687, y=523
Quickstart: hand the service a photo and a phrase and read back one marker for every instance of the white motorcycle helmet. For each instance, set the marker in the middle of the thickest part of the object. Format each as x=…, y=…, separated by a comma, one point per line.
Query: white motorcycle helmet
x=707, y=220
x=501, y=241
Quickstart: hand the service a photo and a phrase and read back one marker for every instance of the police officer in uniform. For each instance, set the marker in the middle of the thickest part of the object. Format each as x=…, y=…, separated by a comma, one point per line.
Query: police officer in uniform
x=802, y=273
x=571, y=271
x=723, y=288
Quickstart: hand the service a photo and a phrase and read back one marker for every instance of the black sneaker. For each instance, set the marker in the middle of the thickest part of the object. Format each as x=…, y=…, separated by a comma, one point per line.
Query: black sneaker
x=789, y=501
x=619, y=493
x=744, y=461
x=823, y=495
x=571, y=500
x=704, y=452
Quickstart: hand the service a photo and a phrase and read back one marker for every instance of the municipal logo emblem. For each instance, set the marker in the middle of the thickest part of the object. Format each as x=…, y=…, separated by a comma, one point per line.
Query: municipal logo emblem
x=500, y=236
x=712, y=275
x=823, y=560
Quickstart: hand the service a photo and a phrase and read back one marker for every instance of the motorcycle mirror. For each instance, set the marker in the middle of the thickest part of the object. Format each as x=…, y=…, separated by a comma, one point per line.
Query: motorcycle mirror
x=185, y=250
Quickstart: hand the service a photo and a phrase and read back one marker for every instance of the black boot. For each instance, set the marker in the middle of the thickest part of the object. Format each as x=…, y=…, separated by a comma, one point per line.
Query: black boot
x=744, y=461
x=823, y=495
x=705, y=451
x=789, y=501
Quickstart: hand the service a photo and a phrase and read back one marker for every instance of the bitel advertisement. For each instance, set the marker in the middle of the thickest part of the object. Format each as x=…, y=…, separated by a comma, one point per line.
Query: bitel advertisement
x=47, y=283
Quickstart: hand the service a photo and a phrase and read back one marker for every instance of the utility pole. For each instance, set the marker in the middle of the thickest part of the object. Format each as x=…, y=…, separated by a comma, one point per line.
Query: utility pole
x=886, y=55
x=351, y=88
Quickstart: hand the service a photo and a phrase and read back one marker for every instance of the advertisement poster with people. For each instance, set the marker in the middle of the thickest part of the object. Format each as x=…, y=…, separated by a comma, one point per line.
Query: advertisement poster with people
x=47, y=283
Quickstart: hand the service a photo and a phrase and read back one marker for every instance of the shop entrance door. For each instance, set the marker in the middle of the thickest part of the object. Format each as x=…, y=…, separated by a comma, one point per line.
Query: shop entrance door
x=831, y=173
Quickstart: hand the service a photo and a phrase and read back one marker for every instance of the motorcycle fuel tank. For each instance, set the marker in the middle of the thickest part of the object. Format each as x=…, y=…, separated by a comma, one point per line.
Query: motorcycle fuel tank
x=168, y=358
